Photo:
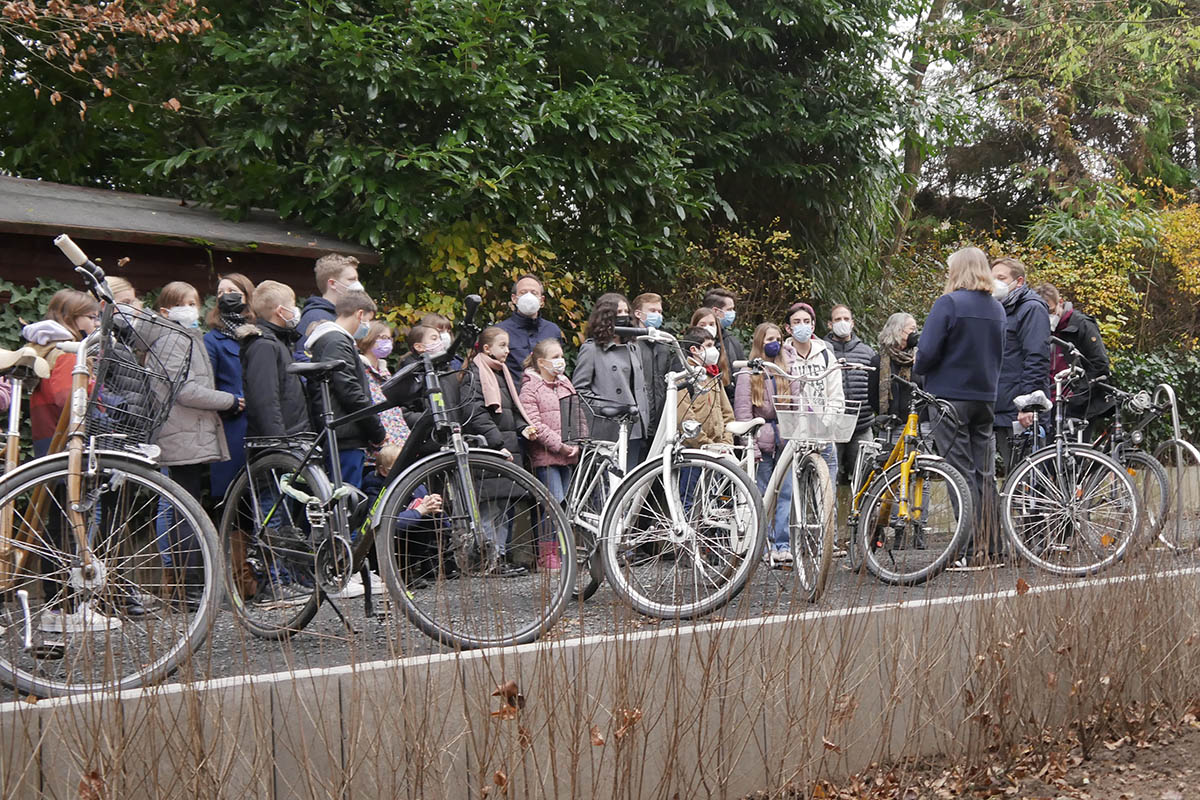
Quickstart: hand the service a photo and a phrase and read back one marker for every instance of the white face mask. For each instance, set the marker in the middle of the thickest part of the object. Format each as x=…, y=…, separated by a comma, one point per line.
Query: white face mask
x=557, y=365
x=1054, y=320
x=445, y=336
x=528, y=304
x=436, y=347
x=711, y=355
x=353, y=286
x=712, y=330
x=293, y=320
x=1000, y=289
x=187, y=316
x=842, y=328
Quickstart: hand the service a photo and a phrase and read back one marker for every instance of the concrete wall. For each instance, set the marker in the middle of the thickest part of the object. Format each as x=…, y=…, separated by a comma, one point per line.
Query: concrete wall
x=717, y=710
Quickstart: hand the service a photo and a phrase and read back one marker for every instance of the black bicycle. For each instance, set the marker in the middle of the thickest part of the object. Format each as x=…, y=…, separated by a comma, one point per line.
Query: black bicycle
x=295, y=534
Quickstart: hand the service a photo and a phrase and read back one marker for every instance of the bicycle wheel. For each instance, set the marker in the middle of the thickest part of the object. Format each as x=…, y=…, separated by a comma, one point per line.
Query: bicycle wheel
x=585, y=504
x=910, y=548
x=1073, y=517
x=445, y=567
x=1153, y=490
x=147, y=602
x=1181, y=462
x=268, y=550
x=682, y=566
x=810, y=524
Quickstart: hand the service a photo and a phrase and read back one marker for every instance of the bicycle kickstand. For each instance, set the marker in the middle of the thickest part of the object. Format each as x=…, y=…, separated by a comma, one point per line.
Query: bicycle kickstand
x=368, y=595
x=325, y=598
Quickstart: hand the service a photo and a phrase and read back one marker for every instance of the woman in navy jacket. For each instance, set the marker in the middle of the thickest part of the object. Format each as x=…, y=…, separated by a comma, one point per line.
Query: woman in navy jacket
x=234, y=294
x=959, y=353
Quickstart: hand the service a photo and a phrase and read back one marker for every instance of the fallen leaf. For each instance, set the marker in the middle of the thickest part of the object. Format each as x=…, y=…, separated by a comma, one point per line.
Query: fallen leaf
x=501, y=780
x=173, y=104
x=1022, y=586
x=505, y=712
x=1052, y=679
x=837, y=748
x=524, y=737
x=844, y=707
x=597, y=737
x=122, y=261
x=632, y=715
x=91, y=786
x=508, y=690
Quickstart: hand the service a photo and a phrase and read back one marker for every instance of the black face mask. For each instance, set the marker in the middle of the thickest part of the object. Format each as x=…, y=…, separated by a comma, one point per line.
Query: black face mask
x=231, y=304
x=623, y=321
x=913, y=338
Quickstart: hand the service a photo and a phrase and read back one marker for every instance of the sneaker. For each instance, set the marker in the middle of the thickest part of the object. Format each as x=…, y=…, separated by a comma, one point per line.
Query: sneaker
x=503, y=569
x=84, y=619
x=781, y=558
x=354, y=588
x=281, y=593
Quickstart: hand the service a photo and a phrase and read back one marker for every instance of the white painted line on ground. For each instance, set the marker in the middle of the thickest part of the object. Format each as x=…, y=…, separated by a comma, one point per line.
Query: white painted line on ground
x=409, y=662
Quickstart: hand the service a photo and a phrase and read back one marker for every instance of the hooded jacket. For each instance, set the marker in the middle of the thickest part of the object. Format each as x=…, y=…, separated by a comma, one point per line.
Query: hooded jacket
x=275, y=401
x=316, y=310
x=1026, y=362
x=542, y=402
x=1081, y=330
x=50, y=395
x=856, y=384
x=348, y=388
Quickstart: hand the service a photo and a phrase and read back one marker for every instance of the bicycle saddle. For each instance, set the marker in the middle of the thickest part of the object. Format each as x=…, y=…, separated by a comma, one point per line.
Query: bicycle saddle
x=25, y=363
x=609, y=412
x=313, y=369
x=1034, y=401
x=886, y=421
x=742, y=427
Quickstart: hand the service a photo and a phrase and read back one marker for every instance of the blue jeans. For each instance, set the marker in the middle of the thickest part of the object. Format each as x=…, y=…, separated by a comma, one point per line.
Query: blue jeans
x=351, y=465
x=556, y=477
x=777, y=537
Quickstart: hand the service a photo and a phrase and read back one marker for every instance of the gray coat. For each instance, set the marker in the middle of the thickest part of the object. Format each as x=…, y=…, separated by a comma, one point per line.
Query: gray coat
x=193, y=433
x=611, y=373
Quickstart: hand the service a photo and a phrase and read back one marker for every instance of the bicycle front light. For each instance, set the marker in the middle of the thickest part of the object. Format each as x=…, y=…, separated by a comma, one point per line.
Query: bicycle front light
x=1136, y=437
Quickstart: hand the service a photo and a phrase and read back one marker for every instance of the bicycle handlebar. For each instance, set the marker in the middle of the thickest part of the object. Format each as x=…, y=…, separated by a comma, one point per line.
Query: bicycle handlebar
x=91, y=273
x=758, y=365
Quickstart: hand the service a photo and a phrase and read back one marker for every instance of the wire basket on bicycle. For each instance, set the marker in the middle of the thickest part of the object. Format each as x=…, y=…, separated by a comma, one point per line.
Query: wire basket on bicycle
x=816, y=420
x=580, y=423
x=138, y=370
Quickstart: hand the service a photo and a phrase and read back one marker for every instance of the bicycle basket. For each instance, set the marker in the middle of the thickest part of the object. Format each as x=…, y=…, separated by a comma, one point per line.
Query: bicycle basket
x=581, y=423
x=817, y=420
x=137, y=371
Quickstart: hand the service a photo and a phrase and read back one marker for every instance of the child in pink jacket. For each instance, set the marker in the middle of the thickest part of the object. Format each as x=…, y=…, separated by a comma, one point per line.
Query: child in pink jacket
x=543, y=386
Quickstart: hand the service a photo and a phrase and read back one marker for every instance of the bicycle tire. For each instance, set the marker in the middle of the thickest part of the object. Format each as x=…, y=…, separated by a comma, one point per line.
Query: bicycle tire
x=418, y=556
x=730, y=512
x=1094, y=512
x=287, y=596
x=585, y=505
x=909, y=552
x=811, y=509
x=1181, y=462
x=1153, y=487
x=113, y=646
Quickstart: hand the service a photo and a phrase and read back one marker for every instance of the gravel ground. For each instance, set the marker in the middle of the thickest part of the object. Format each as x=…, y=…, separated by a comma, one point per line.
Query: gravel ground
x=326, y=642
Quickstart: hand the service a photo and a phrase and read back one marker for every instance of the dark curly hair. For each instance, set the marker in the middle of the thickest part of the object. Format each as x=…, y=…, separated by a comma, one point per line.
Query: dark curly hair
x=602, y=320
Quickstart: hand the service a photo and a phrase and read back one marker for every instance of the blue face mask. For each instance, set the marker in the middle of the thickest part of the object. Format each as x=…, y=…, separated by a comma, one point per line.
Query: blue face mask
x=802, y=332
x=771, y=349
x=361, y=333
x=654, y=320
x=728, y=318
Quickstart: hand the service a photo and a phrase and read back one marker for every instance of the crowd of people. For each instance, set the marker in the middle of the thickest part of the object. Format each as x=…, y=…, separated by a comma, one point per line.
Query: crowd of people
x=985, y=341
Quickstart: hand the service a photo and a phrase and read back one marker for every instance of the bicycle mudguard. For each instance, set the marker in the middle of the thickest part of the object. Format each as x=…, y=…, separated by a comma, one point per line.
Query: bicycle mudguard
x=373, y=518
x=109, y=455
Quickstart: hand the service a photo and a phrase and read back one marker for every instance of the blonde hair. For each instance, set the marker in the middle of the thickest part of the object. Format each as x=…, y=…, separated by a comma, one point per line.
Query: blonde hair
x=330, y=266
x=758, y=383
x=68, y=304
x=969, y=269
x=385, y=459
x=270, y=295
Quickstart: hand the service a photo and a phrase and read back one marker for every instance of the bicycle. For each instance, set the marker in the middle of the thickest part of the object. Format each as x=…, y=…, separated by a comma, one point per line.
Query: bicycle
x=1067, y=507
x=809, y=427
x=94, y=592
x=910, y=510
x=1181, y=460
x=439, y=523
x=680, y=534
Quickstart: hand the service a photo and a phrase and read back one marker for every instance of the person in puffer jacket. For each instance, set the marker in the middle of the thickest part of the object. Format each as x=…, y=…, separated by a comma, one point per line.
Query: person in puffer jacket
x=544, y=386
x=856, y=384
x=71, y=316
x=1026, y=365
x=275, y=401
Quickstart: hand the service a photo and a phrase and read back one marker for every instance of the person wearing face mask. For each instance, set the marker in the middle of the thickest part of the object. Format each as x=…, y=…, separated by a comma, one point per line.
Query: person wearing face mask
x=1077, y=328
x=722, y=303
x=897, y=352
x=754, y=396
x=612, y=370
x=657, y=358
x=275, y=401
x=805, y=354
x=545, y=385
x=526, y=327
x=235, y=295
x=335, y=276
x=374, y=349
x=348, y=388
x=706, y=318
x=1026, y=349
x=705, y=401
x=445, y=331
x=856, y=384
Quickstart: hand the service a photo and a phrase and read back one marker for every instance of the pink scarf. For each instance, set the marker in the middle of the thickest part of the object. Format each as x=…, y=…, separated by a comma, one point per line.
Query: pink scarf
x=491, y=387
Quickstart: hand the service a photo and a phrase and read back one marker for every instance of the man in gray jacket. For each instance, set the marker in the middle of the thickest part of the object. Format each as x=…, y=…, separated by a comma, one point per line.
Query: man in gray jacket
x=856, y=383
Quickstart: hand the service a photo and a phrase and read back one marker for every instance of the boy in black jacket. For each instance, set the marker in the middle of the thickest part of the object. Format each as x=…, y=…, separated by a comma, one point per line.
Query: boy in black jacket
x=348, y=388
x=275, y=403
